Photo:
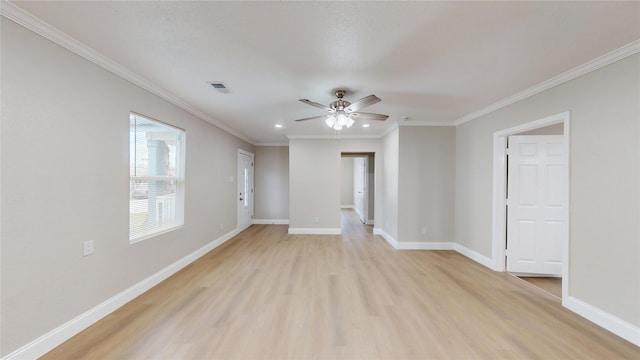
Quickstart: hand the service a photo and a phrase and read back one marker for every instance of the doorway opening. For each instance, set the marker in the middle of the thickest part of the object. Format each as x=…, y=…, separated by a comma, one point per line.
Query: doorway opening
x=530, y=203
x=358, y=185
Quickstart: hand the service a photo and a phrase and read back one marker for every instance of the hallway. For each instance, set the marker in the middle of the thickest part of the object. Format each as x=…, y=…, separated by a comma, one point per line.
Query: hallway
x=351, y=224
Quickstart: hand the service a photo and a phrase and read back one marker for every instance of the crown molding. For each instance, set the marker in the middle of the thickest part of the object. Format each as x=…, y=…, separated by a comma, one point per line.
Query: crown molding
x=27, y=20
x=595, y=64
x=425, y=123
x=272, y=144
x=313, y=137
x=334, y=137
x=389, y=130
x=395, y=125
x=360, y=137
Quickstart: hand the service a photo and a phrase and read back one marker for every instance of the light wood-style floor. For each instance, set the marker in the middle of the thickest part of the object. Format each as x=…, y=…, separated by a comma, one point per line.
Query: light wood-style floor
x=269, y=295
x=552, y=285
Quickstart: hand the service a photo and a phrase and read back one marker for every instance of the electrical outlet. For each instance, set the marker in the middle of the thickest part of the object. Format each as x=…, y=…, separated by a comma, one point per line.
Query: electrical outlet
x=423, y=231
x=87, y=248
x=221, y=226
x=316, y=219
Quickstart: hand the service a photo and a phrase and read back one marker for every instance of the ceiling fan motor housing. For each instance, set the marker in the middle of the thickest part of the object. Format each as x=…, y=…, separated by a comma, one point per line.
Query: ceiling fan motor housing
x=339, y=105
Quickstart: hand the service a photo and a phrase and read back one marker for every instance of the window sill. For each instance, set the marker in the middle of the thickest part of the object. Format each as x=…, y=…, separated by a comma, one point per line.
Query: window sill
x=154, y=234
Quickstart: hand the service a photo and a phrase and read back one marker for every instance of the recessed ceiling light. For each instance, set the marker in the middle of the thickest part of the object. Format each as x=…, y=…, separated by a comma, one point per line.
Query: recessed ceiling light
x=278, y=125
x=365, y=125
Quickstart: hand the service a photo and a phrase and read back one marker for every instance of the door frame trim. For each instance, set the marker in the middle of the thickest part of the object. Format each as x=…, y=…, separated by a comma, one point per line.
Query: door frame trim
x=245, y=152
x=499, y=238
x=364, y=215
x=253, y=195
x=372, y=179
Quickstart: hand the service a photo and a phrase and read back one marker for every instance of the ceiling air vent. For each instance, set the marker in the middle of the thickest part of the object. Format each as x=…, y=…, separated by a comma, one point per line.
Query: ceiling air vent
x=220, y=87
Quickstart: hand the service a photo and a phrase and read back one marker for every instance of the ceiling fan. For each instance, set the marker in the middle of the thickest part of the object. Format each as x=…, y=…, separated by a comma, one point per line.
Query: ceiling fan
x=342, y=113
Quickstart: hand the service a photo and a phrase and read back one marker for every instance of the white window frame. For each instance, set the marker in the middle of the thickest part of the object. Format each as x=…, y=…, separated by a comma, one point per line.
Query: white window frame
x=179, y=179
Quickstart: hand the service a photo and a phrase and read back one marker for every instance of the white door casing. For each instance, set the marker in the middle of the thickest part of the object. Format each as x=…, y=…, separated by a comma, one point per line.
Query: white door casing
x=360, y=192
x=536, y=214
x=365, y=191
x=245, y=189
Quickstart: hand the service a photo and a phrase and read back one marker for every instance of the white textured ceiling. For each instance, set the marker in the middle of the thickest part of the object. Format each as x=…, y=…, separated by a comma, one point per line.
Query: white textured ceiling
x=429, y=61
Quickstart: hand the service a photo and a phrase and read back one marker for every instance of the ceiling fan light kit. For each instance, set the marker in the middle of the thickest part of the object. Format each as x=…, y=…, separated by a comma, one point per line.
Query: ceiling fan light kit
x=342, y=113
x=339, y=120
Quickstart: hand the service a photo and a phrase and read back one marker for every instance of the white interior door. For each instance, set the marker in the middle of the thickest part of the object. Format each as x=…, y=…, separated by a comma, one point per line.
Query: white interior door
x=360, y=193
x=536, y=193
x=245, y=190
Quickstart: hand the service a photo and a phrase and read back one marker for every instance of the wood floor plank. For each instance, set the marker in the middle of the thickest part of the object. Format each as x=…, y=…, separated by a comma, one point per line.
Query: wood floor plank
x=269, y=295
x=552, y=285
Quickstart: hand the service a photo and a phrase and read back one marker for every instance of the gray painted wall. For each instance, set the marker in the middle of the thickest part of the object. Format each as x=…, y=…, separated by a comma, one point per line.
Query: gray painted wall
x=426, y=184
x=314, y=183
x=63, y=115
x=346, y=183
x=272, y=182
x=315, y=167
x=604, y=177
x=390, y=154
x=65, y=179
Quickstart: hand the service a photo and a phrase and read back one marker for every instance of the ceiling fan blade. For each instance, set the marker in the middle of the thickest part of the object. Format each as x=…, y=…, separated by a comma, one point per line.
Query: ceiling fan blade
x=309, y=102
x=363, y=103
x=368, y=116
x=313, y=118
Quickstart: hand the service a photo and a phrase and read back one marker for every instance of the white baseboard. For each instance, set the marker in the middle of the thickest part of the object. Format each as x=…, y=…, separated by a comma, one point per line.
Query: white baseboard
x=399, y=245
x=64, y=332
x=314, y=231
x=614, y=324
x=346, y=207
x=425, y=245
x=386, y=236
x=474, y=255
x=599, y=317
x=57, y=336
x=271, y=221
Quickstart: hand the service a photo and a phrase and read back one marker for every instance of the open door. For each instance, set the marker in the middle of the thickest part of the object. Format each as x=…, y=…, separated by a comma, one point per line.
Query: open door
x=536, y=209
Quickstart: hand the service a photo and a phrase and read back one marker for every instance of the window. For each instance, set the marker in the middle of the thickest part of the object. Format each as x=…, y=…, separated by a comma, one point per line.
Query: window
x=156, y=185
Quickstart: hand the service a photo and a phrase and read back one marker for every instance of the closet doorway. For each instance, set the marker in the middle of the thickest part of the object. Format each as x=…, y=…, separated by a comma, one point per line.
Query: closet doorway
x=531, y=209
